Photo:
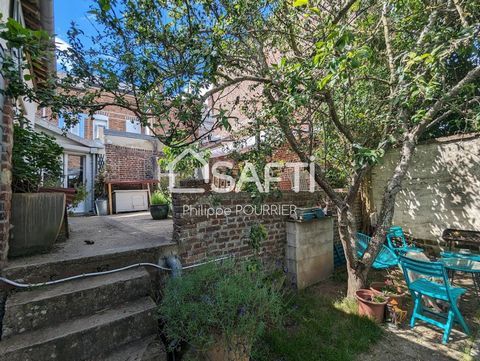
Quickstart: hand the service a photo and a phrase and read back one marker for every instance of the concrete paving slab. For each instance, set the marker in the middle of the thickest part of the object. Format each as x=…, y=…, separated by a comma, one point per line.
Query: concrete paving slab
x=93, y=236
x=98, y=243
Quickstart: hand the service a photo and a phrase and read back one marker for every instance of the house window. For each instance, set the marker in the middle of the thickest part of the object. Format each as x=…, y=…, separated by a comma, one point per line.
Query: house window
x=99, y=121
x=78, y=129
x=132, y=125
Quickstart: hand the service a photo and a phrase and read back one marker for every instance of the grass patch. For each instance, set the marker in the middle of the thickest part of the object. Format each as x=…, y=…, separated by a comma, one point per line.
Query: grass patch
x=318, y=328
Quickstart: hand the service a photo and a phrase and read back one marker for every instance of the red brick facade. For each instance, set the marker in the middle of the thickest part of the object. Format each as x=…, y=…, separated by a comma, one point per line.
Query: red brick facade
x=124, y=163
x=118, y=118
x=6, y=179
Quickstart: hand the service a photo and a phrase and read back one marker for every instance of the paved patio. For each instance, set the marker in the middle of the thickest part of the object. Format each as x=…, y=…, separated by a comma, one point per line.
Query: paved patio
x=93, y=238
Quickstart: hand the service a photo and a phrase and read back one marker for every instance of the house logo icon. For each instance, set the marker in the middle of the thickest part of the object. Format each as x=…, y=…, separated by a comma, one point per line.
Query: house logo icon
x=205, y=170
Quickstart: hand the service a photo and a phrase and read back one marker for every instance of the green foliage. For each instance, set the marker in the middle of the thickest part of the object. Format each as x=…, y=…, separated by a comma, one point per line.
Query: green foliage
x=80, y=195
x=319, y=328
x=14, y=68
x=99, y=186
x=258, y=234
x=158, y=199
x=186, y=166
x=367, y=156
x=35, y=156
x=219, y=302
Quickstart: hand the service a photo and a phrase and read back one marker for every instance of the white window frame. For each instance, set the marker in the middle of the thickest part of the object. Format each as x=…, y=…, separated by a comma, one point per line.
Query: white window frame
x=99, y=120
x=75, y=129
x=133, y=125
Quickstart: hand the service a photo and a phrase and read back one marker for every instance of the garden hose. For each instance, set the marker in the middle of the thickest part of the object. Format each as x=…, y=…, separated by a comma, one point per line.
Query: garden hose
x=92, y=274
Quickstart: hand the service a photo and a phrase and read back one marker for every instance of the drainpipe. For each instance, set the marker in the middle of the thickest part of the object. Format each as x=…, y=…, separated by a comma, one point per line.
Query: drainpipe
x=175, y=266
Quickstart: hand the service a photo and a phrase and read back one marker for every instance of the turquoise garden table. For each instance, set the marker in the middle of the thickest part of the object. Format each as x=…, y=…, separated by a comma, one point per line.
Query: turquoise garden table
x=467, y=265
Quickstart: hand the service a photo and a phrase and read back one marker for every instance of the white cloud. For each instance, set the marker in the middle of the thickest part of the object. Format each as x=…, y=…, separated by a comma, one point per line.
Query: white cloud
x=62, y=45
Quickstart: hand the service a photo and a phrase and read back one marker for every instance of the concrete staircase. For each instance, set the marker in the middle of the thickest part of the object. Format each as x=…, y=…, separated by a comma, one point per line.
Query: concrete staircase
x=104, y=318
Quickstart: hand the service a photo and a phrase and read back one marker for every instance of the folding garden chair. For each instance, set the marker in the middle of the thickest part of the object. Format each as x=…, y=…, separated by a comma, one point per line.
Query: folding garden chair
x=424, y=286
x=386, y=258
x=396, y=232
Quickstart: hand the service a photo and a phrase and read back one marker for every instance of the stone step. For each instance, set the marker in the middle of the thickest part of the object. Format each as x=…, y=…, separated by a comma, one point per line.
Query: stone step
x=85, y=338
x=50, y=305
x=47, y=267
x=149, y=349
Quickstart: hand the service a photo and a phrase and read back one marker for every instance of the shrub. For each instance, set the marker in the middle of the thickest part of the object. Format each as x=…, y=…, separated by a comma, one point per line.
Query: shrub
x=220, y=304
x=35, y=156
x=158, y=199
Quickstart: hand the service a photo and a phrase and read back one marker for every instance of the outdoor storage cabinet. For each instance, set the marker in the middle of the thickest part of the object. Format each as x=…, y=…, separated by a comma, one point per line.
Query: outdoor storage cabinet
x=309, y=251
x=131, y=200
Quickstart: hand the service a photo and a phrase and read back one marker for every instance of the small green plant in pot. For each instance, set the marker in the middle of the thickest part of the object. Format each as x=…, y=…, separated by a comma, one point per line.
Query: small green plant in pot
x=159, y=205
x=219, y=310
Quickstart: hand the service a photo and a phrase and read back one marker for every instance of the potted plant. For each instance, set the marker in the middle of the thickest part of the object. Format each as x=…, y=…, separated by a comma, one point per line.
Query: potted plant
x=36, y=216
x=101, y=203
x=395, y=293
x=219, y=310
x=371, y=304
x=159, y=205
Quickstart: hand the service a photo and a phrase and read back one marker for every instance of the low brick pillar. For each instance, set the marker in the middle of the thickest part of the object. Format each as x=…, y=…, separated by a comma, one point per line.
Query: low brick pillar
x=309, y=251
x=6, y=131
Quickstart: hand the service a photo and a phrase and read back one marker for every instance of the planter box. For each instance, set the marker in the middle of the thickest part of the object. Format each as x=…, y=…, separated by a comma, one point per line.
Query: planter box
x=36, y=220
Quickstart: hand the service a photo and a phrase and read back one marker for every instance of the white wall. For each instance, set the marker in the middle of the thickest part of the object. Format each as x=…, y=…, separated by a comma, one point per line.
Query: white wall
x=441, y=190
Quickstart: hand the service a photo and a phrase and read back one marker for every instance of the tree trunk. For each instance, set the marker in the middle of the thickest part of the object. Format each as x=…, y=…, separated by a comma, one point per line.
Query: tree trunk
x=346, y=230
x=356, y=281
x=394, y=185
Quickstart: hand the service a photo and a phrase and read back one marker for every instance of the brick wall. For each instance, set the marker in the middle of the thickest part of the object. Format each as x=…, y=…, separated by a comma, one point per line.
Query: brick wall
x=117, y=118
x=6, y=179
x=201, y=237
x=125, y=163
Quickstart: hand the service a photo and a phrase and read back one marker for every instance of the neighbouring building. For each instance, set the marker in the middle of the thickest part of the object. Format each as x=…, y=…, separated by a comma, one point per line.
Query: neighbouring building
x=222, y=143
x=112, y=140
x=35, y=15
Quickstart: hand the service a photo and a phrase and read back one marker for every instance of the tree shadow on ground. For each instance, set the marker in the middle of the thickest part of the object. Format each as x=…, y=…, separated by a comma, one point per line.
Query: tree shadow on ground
x=321, y=325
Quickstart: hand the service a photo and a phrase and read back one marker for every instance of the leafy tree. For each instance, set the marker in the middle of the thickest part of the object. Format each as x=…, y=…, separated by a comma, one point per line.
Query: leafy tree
x=342, y=80
x=361, y=76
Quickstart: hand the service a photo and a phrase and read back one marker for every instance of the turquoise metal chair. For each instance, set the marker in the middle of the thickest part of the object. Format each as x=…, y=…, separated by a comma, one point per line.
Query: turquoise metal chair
x=397, y=232
x=469, y=256
x=424, y=286
x=386, y=258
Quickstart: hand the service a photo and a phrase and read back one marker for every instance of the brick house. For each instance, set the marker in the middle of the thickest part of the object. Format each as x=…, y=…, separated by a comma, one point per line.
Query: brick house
x=35, y=15
x=112, y=139
x=221, y=143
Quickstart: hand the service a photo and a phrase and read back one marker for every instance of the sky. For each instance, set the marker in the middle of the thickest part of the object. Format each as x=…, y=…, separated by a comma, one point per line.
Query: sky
x=67, y=11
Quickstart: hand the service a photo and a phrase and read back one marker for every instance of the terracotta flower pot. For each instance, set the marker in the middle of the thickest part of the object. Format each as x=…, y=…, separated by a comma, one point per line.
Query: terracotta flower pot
x=367, y=307
x=396, y=298
x=237, y=351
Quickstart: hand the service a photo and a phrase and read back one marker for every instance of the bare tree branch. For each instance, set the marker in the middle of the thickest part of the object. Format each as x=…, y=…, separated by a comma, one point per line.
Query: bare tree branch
x=461, y=13
x=334, y=117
